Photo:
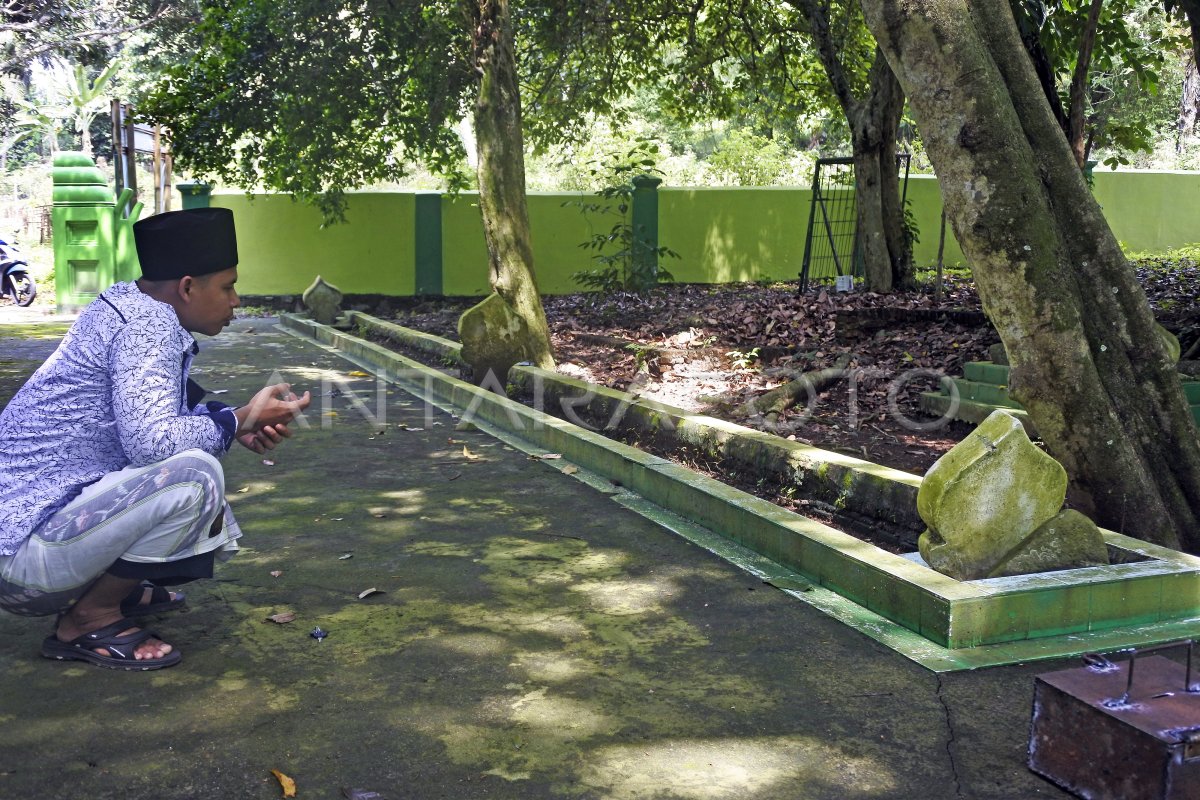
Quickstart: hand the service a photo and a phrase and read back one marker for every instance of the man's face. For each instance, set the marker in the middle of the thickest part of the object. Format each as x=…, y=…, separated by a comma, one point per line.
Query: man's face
x=211, y=300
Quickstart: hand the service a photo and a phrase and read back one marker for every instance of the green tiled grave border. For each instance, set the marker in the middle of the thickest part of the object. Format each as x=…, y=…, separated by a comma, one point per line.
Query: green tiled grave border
x=984, y=387
x=940, y=622
x=845, y=483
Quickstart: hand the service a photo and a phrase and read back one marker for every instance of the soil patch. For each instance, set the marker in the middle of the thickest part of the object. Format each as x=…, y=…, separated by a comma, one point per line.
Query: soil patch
x=709, y=349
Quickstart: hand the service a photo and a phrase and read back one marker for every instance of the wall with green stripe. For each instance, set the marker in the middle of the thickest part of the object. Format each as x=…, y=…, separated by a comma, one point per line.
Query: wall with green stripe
x=406, y=243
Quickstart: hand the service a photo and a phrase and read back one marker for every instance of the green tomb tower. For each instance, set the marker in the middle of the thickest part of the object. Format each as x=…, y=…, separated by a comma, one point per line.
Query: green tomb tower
x=93, y=243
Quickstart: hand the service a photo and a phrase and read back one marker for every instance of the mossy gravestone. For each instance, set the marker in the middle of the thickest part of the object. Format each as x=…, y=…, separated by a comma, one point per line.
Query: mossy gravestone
x=323, y=301
x=993, y=505
x=493, y=339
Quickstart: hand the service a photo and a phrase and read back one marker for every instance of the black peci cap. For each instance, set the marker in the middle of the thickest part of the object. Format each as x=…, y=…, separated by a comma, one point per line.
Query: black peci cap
x=197, y=241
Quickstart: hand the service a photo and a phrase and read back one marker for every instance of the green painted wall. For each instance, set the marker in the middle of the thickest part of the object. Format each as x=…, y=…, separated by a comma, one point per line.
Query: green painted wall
x=1147, y=211
x=925, y=200
x=721, y=234
x=282, y=246
x=733, y=234
x=1150, y=211
x=556, y=230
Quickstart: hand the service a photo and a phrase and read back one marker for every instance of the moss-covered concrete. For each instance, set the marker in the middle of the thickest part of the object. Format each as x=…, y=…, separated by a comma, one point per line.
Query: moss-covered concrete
x=534, y=640
x=858, y=491
x=971, y=620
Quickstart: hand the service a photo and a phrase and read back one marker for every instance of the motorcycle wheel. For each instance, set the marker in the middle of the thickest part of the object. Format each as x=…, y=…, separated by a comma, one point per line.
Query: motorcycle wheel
x=22, y=288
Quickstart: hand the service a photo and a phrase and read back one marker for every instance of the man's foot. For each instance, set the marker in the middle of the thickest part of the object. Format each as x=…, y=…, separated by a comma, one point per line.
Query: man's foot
x=116, y=645
x=151, y=599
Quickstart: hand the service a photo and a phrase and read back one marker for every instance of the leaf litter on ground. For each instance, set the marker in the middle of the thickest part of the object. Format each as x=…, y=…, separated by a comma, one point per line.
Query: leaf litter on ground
x=691, y=338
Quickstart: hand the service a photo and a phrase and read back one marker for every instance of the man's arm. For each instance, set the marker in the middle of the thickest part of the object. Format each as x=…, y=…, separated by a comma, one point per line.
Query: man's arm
x=146, y=369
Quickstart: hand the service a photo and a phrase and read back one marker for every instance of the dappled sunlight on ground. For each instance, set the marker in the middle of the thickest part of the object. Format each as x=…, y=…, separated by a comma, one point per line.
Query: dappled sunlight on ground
x=734, y=768
x=529, y=639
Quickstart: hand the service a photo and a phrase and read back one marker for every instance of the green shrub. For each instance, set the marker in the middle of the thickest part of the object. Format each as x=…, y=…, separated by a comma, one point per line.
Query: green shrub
x=625, y=259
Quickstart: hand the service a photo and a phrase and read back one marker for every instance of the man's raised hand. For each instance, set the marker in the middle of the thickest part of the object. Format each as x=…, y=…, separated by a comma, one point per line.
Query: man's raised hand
x=271, y=407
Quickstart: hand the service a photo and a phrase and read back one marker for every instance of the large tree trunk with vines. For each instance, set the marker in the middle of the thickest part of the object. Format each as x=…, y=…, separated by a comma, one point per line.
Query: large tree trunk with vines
x=1087, y=360
x=501, y=170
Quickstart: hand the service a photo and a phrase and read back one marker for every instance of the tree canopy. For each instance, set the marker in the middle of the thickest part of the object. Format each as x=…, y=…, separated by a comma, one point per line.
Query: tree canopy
x=83, y=31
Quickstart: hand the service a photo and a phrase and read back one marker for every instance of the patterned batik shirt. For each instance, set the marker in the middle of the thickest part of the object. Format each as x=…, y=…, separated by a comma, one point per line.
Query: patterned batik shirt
x=113, y=395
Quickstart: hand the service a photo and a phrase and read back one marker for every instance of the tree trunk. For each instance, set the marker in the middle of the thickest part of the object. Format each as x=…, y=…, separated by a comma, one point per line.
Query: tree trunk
x=1030, y=28
x=1189, y=105
x=85, y=140
x=874, y=122
x=501, y=171
x=1087, y=361
x=1191, y=10
x=1077, y=136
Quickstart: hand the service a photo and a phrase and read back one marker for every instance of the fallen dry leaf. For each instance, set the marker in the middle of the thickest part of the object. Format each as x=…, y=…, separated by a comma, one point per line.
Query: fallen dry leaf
x=546, y=456
x=243, y=490
x=275, y=573
x=570, y=470
x=345, y=556
x=268, y=462
x=368, y=592
x=282, y=618
x=287, y=784
x=469, y=455
x=358, y=373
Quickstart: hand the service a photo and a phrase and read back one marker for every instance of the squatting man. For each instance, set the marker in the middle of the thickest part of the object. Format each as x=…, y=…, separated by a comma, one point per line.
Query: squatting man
x=109, y=480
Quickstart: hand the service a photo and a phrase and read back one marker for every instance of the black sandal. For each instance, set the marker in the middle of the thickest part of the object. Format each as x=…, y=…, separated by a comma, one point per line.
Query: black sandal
x=121, y=648
x=160, y=601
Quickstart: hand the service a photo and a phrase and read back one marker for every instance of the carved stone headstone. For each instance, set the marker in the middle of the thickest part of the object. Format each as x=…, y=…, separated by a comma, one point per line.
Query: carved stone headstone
x=323, y=301
x=992, y=506
x=493, y=338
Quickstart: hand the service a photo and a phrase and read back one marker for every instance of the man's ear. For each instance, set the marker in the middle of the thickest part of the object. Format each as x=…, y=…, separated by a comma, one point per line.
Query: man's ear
x=184, y=288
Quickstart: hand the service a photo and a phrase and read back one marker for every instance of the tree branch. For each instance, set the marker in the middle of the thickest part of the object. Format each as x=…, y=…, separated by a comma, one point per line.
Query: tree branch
x=827, y=52
x=76, y=39
x=1079, y=81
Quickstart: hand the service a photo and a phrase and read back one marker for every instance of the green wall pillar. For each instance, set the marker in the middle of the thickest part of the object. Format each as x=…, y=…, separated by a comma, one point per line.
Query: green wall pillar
x=644, y=217
x=427, y=243
x=194, y=195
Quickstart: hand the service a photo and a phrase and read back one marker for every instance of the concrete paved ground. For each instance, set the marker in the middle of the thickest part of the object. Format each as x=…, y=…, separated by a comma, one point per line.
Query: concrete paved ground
x=533, y=639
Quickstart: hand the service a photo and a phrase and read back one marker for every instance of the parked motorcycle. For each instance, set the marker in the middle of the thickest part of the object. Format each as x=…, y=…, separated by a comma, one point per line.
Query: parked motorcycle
x=14, y=275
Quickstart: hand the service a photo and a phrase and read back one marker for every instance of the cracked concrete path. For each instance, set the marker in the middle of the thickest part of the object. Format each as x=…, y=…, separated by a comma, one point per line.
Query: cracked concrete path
x=532, y=639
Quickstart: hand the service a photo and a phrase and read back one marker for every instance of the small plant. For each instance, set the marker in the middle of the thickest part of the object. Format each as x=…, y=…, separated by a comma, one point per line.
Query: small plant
x=626, y=260
x=912, y=231
x=742, y=360
x=642, y=355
